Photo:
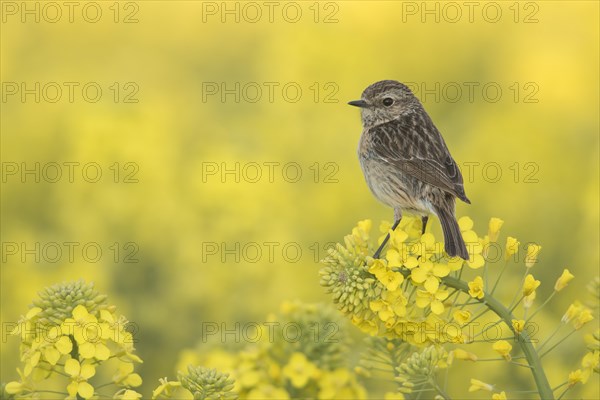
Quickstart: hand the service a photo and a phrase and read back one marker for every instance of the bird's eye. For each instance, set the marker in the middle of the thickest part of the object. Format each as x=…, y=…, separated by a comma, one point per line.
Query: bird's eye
x=388, y=101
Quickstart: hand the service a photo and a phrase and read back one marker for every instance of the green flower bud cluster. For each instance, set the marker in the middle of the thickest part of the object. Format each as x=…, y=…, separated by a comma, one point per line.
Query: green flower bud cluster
x=71, y=331
x=300, y=352
x=384, y=354
x=58, y=301
x=346, y=276
x=420, y=368
x=207, y=384
x=315, y=330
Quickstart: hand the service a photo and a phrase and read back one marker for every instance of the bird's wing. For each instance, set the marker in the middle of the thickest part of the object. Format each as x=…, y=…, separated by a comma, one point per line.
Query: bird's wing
x=413, y=145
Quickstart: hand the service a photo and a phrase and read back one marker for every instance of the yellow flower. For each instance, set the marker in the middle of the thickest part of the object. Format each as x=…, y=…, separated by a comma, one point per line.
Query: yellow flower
x=476, y=256
x=485, y=245
x=96, y=350
x=397, y=238
x=592, y=340
x=74, y=317
x=563, y=280
x=433, y=330
x=125, y=375
x=398, y=251
x=61, y=346
x=299, y=370
x=583, y=318
x=528, y=300
x=465, y=224
x=476, y=288
x=494, y=228
x=88, y=333
x=479, y=385
x=365, y=225
x=475, y=249
x=390, y=305
x=390, y=279
x=532, y=254
x=454, y=334
x=411, y=262
x=572, y=312
x=455, y=263
x=518, y=325
x=462, y=316
x=512, y=247
x=79, y=374
x=575, y=377
x=461, y=354
x=165, y=386
x=429, y=275
x=25, y=327
x=590, y=363
x=530, y=285
x=503, y=348
x=14, y=387
x=336, y=384
x=267, y=392
x=499, y=396
x=51, y=346
x=367, y=326
x=433, y=300
x=396, y=258
x=377, y=266
x=31, y=361
x=360, y=235
x=474, y=244
x=427, y=246
x=247, y=374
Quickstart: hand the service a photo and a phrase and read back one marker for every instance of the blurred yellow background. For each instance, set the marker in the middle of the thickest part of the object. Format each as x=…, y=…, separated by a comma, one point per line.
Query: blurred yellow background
x=191, y=90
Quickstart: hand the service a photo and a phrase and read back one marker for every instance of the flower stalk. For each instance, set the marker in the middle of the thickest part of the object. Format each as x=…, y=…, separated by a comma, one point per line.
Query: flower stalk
x=417, y=295
x=533, y=359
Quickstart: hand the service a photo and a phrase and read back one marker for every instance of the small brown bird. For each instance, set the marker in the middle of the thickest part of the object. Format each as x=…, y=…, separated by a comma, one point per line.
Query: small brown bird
x=406, y=162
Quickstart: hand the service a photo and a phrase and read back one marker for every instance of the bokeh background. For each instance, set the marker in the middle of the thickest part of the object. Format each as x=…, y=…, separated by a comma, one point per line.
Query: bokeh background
x=540, y=133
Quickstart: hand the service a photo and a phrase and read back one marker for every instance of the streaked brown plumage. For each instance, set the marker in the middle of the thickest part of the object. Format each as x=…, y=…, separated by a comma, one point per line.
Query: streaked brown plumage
x=406, y=162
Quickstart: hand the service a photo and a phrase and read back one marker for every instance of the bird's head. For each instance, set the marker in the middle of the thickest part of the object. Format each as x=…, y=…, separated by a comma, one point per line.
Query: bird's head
x=384, y=101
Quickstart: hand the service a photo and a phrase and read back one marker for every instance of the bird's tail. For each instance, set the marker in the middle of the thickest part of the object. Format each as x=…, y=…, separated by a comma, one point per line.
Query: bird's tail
x=453, y=240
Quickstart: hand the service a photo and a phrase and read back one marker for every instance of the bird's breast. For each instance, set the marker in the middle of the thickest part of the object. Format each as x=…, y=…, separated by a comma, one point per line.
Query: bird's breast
x=388, y=184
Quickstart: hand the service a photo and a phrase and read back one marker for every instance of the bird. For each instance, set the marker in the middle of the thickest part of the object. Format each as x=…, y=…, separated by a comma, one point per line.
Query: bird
x=406, y=163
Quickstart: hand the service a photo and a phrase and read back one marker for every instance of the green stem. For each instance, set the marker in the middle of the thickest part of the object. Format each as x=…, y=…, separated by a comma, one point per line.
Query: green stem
x=499, y=277
x=540, y=307
x=75, y=355
x=547, y=340
x=512, y=303
x=557, y=343
x=481, y=314
x=487, y=329
x=454, y=292
x=561, y=385
x=520, y=365
x=439, y=389
x=563, y=393
x=529, y=351
x=512, y=308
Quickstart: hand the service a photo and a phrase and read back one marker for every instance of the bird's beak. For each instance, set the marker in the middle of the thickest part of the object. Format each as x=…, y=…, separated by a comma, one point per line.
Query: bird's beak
x=358, y=103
